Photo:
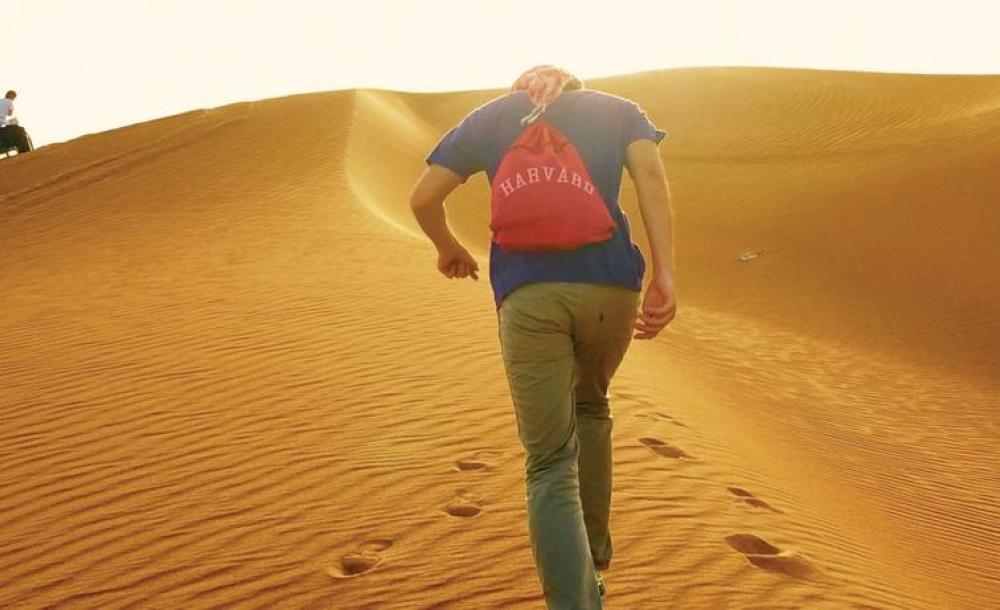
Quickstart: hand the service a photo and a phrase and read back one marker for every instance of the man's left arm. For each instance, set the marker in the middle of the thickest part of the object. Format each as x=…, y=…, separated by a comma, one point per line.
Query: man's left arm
x=427, y=202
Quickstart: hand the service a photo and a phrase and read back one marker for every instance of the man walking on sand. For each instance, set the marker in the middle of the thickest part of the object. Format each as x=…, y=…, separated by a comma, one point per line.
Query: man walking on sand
x=566, y=279
x=12, y=135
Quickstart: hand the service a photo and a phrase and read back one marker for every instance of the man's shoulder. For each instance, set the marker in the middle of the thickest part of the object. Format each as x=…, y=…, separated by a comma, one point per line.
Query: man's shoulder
x=497, y=110
x=603, y=98
x=519, y=99
x=500, y=102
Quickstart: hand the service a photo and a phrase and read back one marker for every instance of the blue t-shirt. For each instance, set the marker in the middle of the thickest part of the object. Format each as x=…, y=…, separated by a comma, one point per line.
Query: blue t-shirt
x=600, y=126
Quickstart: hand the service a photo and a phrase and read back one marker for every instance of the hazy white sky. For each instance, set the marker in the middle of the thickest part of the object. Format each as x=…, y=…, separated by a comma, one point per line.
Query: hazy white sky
x=85, y=66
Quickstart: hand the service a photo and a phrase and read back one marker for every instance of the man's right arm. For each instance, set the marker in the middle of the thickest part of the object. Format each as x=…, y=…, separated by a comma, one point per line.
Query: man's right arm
x=646, y=169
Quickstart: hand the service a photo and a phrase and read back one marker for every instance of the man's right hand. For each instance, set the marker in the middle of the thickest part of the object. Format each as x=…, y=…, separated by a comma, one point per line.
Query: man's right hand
x=658, y=308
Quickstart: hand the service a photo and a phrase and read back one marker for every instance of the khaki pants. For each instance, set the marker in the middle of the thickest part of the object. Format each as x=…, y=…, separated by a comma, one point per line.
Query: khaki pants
x=561, y=344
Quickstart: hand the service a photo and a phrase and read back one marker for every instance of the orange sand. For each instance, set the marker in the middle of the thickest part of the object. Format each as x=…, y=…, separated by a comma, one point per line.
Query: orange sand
x=230, y=376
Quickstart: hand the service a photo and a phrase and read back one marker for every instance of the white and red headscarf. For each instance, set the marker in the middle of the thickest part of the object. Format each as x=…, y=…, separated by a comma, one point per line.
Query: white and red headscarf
x=544, y=84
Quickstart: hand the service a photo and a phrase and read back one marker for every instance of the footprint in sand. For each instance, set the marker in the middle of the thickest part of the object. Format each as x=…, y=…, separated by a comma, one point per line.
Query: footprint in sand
x=463, y=505
x=658, y=417
x=745, y=497
x=766, y=556
x=361, y=561
x=481, y=460
x=664, y=449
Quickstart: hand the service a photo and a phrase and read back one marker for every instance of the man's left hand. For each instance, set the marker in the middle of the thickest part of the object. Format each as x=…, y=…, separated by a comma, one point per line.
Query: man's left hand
x=456, y=262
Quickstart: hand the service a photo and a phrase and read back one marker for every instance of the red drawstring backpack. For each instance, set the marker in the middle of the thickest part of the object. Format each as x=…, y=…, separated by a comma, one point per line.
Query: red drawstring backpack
x=542, y=195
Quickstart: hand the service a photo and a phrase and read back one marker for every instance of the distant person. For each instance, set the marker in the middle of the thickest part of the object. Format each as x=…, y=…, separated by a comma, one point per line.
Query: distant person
x=566, y=279
x=12, y=135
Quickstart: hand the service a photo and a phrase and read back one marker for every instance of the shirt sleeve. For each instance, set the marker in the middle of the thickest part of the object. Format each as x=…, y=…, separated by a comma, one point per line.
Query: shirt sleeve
x=460, y=150
x=637, y=126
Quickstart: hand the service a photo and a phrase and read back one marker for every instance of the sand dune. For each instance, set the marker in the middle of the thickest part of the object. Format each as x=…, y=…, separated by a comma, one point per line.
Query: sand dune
x=230, y=376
